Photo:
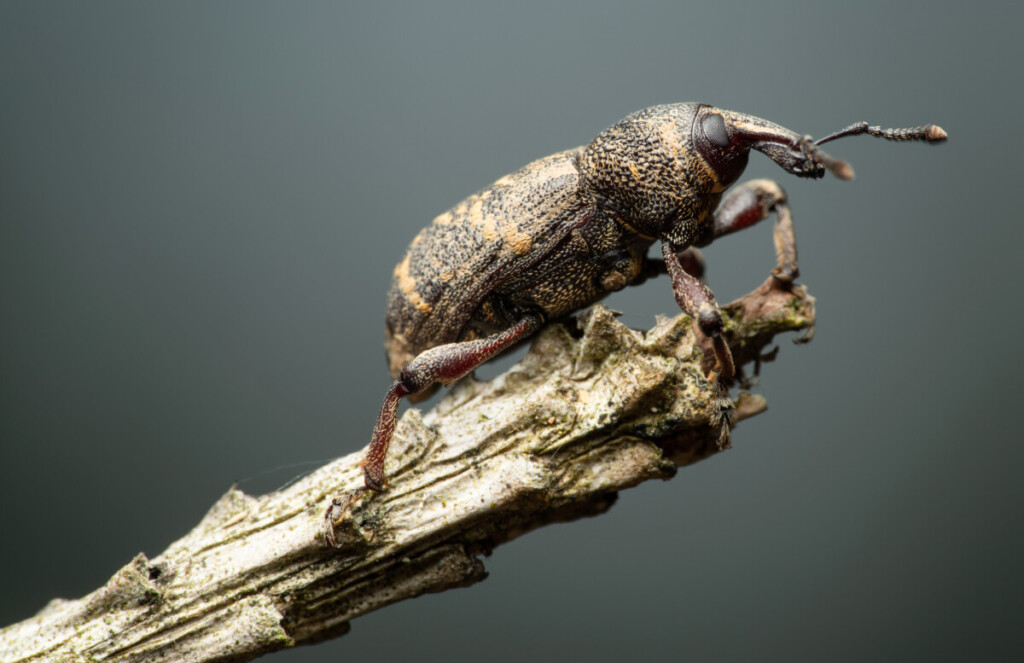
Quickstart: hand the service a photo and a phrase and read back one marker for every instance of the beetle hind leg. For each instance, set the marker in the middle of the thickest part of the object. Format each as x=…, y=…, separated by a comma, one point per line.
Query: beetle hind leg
x=442, y=364
x=691, y=260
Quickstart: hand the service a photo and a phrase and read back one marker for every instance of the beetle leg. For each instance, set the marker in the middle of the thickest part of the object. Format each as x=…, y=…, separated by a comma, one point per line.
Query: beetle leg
x=696, y=300
x=691, y=260
x=444, y=364
x=754, y=201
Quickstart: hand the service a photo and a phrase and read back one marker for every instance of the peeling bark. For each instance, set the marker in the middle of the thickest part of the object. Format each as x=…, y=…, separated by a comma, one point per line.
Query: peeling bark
x=588, y=412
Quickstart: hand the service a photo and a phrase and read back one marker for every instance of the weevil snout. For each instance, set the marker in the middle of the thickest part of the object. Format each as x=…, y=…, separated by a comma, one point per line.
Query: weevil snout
x=795, y=153
x=801, y=160
x=801, y=155
x=725, y=138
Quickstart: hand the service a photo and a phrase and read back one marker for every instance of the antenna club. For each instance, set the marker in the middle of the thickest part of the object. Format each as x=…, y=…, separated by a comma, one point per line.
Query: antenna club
x=843, y=171
x=935, y=134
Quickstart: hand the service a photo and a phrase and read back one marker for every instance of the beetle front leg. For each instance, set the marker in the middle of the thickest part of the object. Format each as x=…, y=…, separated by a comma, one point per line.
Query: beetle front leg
x=691, y=260
x=696, y=300
x=754, y=201
x=444, y=364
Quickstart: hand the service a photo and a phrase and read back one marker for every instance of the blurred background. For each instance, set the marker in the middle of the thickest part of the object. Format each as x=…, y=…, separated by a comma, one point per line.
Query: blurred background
x=200, y=209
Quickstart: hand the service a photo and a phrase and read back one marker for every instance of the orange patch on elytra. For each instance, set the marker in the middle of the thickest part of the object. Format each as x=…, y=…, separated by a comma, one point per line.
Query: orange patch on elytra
x=476, y=217
x=416, y=300
x=476, y=212
x=407, y=284
x=517, y=241
x=490, y=231
x=401, y=274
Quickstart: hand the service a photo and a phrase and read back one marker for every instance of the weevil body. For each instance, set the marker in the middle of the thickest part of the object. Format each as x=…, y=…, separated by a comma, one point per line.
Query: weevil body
x=566, y=230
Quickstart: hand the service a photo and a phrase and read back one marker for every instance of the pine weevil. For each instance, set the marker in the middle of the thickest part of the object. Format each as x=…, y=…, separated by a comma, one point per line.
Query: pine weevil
x=568, y=229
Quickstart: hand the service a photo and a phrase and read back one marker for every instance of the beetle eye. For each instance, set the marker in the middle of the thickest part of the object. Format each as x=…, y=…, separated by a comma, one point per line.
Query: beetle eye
x=714, y=128
x=723, y=147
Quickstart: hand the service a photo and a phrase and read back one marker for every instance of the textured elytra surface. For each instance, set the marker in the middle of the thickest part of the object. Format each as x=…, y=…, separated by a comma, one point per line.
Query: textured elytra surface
x=453, y=266
x=587, y=413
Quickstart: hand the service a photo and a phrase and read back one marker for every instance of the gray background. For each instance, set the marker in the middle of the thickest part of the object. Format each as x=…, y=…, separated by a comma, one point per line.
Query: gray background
x=200, y=208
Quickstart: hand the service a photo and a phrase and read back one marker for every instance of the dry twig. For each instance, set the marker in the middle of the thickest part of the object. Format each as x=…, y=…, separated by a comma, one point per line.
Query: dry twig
x=582, y=416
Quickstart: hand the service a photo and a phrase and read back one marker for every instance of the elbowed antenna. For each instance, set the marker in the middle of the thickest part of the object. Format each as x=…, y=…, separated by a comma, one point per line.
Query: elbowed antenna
x=930, y=133
x=764, y=136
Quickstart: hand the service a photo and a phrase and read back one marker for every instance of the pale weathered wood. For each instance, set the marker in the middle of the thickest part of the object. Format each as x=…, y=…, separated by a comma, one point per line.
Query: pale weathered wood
x=584, y=415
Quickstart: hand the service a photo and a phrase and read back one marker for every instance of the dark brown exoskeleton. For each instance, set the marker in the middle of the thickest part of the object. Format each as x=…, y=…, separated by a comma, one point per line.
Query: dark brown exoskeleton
x=568, y=229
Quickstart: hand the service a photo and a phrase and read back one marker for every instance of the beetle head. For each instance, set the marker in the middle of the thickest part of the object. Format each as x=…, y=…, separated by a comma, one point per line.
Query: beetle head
x=668, y=165
x=722, y=136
